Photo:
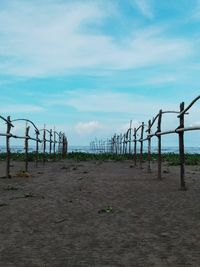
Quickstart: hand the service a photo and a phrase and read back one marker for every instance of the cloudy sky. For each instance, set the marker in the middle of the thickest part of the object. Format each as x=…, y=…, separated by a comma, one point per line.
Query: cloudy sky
x=90, y=66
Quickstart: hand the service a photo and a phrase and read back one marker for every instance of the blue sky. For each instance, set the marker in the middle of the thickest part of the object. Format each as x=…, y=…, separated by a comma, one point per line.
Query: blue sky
x=89, y=67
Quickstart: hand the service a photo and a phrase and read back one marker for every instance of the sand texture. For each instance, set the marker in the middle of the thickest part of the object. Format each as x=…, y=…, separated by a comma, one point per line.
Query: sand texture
x=99, y=214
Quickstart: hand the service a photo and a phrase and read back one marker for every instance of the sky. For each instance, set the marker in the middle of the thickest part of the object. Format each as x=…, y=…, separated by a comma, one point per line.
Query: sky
x=88, y=67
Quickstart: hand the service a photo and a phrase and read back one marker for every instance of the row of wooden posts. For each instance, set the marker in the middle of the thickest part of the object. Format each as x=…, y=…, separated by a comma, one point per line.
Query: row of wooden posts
x=121, y=144
x=58, y=143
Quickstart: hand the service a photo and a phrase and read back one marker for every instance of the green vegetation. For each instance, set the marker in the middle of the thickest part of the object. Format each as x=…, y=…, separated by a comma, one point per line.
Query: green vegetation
x=171, y=158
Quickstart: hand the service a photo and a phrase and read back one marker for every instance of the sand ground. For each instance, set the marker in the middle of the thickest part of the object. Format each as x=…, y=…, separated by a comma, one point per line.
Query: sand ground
x=56, y=217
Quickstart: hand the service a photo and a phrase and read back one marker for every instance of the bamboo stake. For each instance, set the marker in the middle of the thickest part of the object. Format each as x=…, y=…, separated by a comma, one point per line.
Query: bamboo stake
x=37, y=147
x=159, y=146
x=54, y=144
x=181, y=148
x=26, y=146
x=44, y=145
x=141, y=144
x=130, y=131
x=149, y=146
x=135, y=146
x=8, y=147
x=50, y=144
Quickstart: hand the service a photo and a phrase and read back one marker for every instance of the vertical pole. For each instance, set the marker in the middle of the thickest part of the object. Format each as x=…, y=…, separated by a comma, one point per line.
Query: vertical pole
x=181, y=149
x=135, y=146
x=26, y=147
x=121, y=138
x=130, y=137
x=44, y=145
x=50, y=144
x=123, y=143
x=66, y=145
x=37, y=147
x=141, y=144
x=8, y=147
x=149, y=146
x=54, y=145
x=159, y=146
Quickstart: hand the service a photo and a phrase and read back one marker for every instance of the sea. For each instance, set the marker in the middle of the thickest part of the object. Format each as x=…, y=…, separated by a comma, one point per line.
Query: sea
x=87, y=149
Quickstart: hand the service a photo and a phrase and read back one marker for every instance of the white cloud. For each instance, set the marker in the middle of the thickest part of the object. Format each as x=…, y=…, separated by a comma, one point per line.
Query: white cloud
x=144, y=7
x=85, y=128
x=55, y=39
x=108, y=101
x=20, y=108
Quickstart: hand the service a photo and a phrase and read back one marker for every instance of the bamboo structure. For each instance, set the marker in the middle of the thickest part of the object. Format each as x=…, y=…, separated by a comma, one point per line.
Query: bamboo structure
x=8, y=135
x=126, y=140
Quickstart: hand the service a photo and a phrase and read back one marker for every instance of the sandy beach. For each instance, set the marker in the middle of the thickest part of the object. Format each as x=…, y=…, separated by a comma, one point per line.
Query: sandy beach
x=99, y=214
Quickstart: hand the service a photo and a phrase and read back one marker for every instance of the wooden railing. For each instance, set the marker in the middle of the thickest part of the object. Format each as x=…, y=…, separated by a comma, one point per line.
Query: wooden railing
x=119, y=144
x=61, y=142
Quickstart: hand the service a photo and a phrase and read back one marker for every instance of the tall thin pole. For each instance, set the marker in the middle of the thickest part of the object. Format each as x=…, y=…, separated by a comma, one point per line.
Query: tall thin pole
x=130, y=132
x=44, y=145
x=37, y=147
x=8, y=147
x=181, y=149
x=149, y=146
x=135, y=146
x=26, y=146
x=159, y=145
x=141, y=144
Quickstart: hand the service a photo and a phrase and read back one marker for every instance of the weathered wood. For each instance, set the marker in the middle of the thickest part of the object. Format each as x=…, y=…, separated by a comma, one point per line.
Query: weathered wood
x=181, y=148
x=159, y=146
x=37, y=148
x=141, y=144
x=135, y=146
x=8, y=147
x=149, y=146
x=26, y=146
x=44, y=145
x=50, y=142
x=54, y=145
x=130, y=136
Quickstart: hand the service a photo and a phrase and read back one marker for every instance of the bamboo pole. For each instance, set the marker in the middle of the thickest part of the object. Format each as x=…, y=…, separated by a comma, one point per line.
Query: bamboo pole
x=8, y=147
x=141, y=144
x=181, y=148
x=50, y=142
x=135, y=146
x=130, y=132
x=44, y=145
x=26, y=146
x=149, y=146
x=159, y=146
x=37, y=147
x=54, y=145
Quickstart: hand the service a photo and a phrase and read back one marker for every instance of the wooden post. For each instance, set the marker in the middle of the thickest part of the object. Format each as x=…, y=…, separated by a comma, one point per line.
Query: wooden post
x=26, y=146
x=121, y=138
x=135, y=146
x=159, y=146
x=54, y=145
x=149, y=146
x=8, y=147
x=141, y=144
x=66, y=145
x=181, y=149
x=123, y=144
x=37, y=147
x=130, y=137
x=50, y=144
x=44, y=145
x=60, y=147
